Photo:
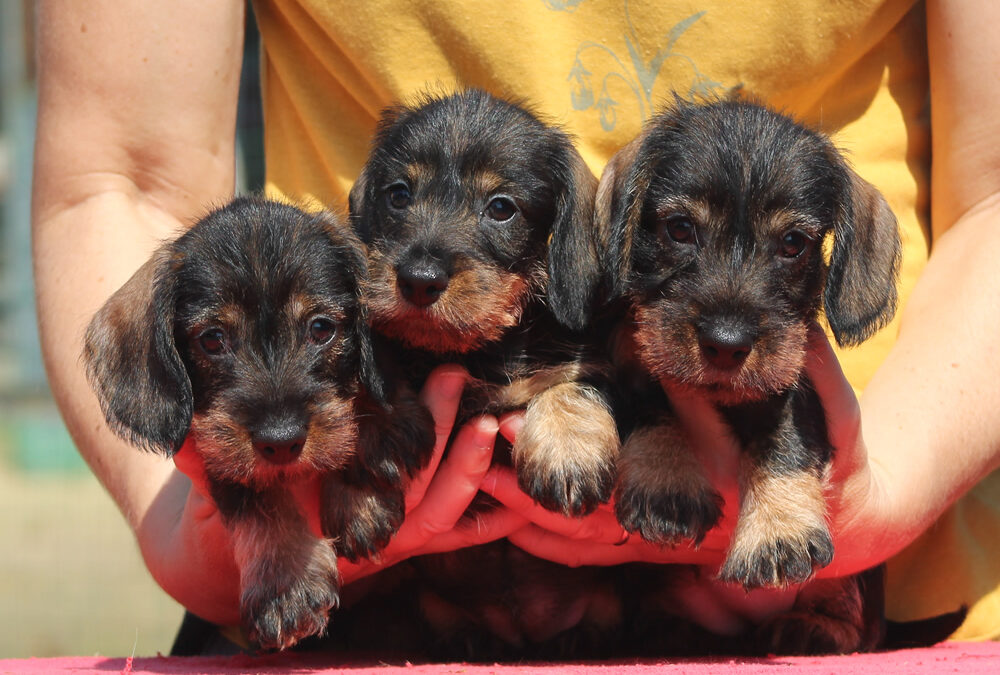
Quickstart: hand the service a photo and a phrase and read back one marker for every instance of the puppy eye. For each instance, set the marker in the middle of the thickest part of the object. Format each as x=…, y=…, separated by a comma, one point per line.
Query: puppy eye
x=501, y=209
x=398, y=195
x=793, y=243
x=212, y=341
x=679, y=229
x=322, y=330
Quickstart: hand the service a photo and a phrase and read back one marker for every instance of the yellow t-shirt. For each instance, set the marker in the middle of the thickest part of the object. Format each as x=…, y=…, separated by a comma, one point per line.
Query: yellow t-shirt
x=599, y=69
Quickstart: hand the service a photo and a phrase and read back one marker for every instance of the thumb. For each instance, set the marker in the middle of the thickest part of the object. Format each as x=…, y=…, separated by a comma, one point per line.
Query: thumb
x=840, y=405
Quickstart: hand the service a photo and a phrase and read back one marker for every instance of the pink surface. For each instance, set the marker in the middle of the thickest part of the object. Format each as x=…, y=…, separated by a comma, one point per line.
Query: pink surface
x=968, y=658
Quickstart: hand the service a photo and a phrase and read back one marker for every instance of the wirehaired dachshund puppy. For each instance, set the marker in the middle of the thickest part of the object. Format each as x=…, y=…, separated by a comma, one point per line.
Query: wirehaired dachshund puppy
x=477, y=220
x=247, y=336
x=714, y=222
x=477, y=217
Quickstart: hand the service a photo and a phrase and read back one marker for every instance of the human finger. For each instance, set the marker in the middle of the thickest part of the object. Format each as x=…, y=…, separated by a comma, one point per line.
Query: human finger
x=441, y=393
x=511, y=424
x=475, y=529
x=472, y=531
x=456, y=481
x=599, y=526
x=840, y=404
x=542, y=543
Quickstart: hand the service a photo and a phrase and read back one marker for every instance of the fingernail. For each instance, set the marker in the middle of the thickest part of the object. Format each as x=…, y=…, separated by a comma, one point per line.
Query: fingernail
x=488, y=424
x=489, y=482
x=511, y=425
x=451, y=383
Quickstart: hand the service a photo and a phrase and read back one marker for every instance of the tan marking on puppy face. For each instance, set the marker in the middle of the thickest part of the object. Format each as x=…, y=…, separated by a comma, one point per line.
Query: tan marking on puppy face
x=668, y=348
x=481, y=303
x=699, y=211
x=418, y=172
x=227, y=447
x=487, y=182
x=333, y=434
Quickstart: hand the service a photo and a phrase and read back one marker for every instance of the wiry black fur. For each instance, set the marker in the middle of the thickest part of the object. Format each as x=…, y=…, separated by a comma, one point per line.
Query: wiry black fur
x=541, y=171
x=292, y=390
x=714, y=220
x=547, y=244
x=454, y=155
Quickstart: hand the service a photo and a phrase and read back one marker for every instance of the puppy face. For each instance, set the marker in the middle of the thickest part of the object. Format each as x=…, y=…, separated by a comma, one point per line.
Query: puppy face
x=714, y=221
x=457, y=204
x=248, y=330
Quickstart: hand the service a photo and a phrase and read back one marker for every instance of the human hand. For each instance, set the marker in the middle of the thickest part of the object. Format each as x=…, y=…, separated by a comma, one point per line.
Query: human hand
x=598, y=539
x=199, y=569
x=438, y=497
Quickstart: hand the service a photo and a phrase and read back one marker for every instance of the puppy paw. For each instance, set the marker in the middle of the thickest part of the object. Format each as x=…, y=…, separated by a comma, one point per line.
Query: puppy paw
x=361, y=519
x=664, y=516
x=805, y=633
x=565, y=453
x=776, y=562
x=279, y=611
x=572, y=490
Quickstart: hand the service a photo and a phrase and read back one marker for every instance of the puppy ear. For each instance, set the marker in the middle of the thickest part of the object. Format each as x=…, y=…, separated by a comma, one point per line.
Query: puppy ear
x=860, y=295
x=360, y=202
x=574, y=267
x=369, y=372
x=352, y=256
x=617, y=210
x=133, y=364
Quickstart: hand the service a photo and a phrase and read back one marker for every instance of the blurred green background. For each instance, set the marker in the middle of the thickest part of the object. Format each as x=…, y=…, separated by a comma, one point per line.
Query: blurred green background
x=72, y=581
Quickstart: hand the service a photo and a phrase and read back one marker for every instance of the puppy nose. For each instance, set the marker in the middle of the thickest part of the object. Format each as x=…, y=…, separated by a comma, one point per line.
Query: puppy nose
x=725, y=344
x=423, y=282
x=279, y=445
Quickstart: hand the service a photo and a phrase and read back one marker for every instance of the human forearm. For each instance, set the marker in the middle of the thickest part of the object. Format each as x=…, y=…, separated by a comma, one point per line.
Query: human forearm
x=928, y=413
x=925, y=414
x=81, y=258
x=134, y=139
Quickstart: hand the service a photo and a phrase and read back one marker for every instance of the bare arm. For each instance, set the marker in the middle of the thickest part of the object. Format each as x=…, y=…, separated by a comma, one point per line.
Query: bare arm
x=929, y=414
x=136, y=121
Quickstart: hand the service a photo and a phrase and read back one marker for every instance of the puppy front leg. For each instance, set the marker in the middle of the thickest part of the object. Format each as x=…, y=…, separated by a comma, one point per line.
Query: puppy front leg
x=360, y=514
x=781, y=535
x=288, y=577
x=662, y=492
x=565, y=453
x=364, y=505
x=828, y=617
